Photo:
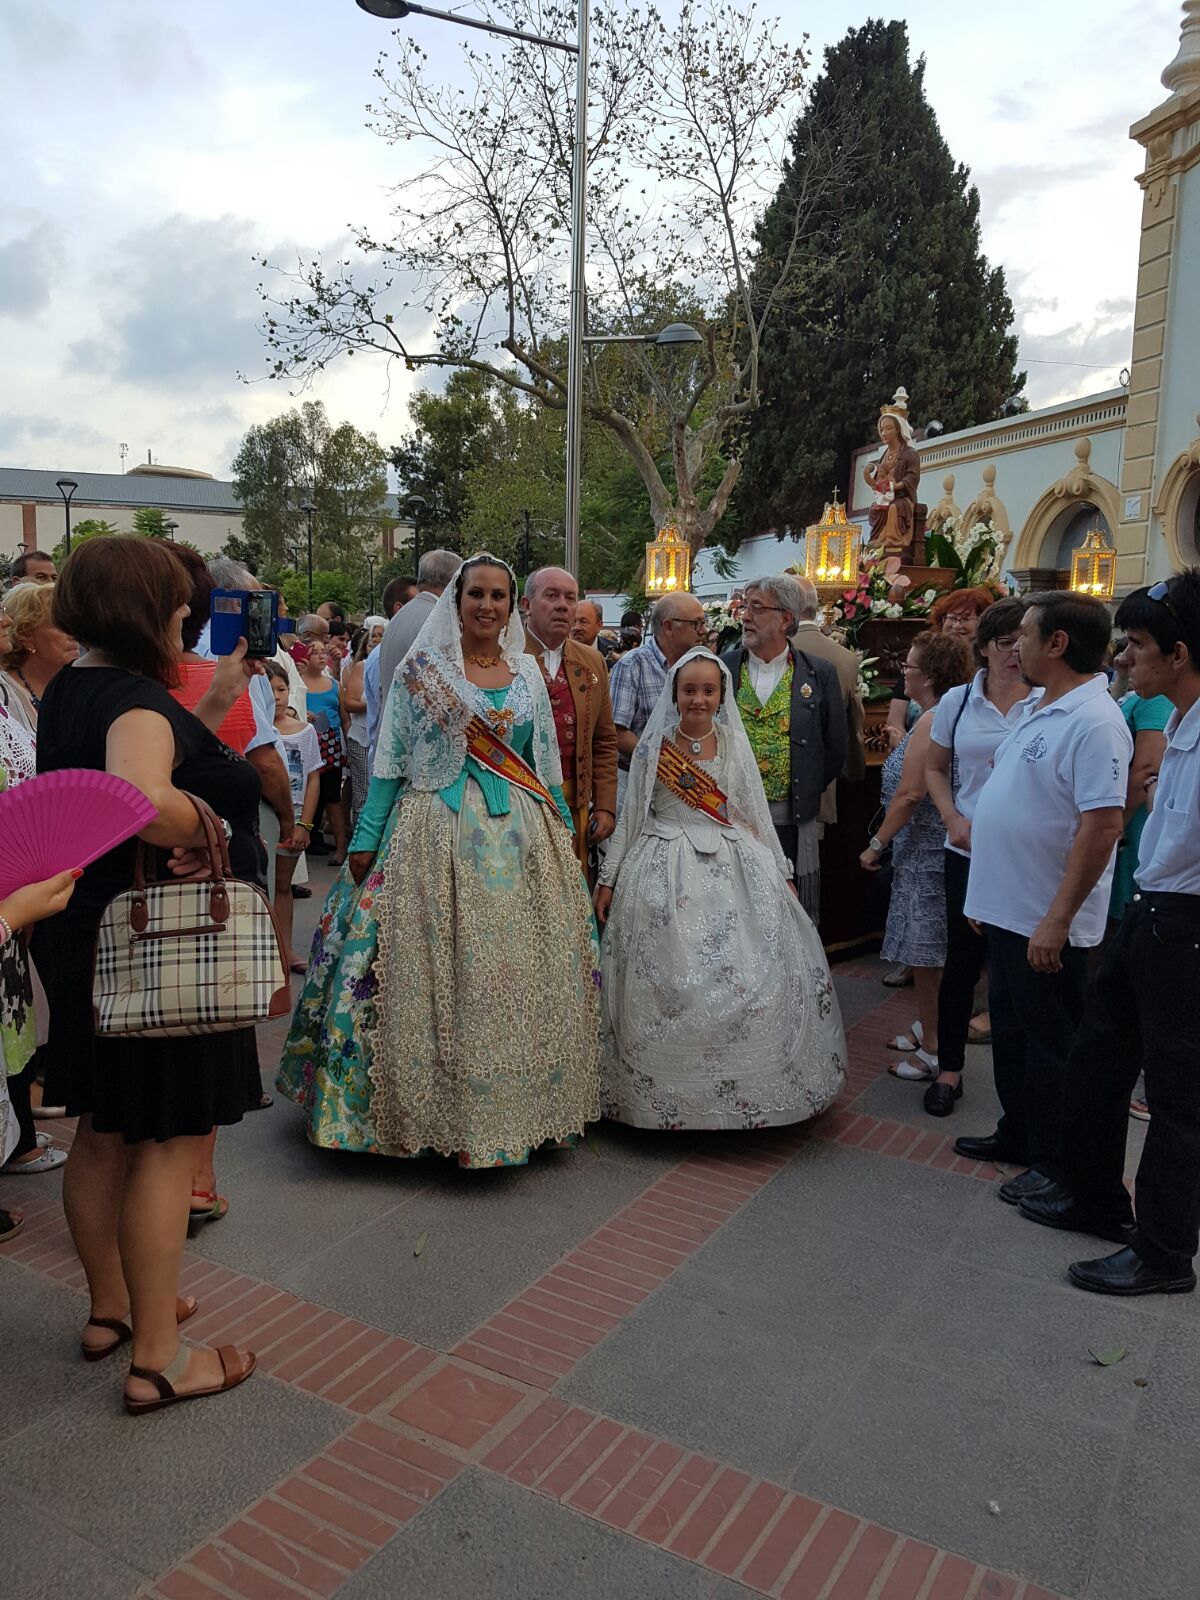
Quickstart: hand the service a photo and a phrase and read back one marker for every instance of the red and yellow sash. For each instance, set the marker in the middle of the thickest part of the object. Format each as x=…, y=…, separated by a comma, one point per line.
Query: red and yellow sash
x=492, y=752
x=426, y=683
x=690, y=783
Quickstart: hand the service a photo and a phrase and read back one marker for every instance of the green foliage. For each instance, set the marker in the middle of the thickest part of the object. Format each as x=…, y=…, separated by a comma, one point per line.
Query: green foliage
x=299, y=456
x=250, y=550
x=913, y=300
x=327, y=585
x=86, y=528
x=92, y=528
x=150, y=522
x=969, y=570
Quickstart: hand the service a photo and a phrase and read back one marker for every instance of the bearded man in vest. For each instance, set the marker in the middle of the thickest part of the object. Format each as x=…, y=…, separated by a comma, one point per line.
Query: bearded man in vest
x=795, y=718
x=577, y=682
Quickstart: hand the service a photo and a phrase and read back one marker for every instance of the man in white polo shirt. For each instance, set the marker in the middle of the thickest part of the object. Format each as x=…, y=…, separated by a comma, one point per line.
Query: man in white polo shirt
x=1141, y=1012
x=1043, y=841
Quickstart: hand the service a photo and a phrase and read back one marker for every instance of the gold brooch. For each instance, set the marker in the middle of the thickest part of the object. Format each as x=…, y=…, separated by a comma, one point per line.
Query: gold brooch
x=501, y=719
x=806, y=691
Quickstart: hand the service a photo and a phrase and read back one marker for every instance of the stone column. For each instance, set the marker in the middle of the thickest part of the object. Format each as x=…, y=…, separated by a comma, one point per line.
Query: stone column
x=1164, y=388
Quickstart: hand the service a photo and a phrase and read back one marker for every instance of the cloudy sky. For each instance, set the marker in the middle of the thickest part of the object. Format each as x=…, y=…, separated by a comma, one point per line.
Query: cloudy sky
x=150, y=148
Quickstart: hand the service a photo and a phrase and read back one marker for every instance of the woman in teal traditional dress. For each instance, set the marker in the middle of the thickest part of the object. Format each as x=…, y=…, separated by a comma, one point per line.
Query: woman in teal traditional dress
x=451, y=1001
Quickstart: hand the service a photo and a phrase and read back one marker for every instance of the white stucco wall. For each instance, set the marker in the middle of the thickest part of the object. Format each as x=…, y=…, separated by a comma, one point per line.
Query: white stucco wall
x=207, y=530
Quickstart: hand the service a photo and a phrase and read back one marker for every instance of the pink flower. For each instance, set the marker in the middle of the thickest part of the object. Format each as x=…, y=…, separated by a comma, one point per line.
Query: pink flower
x=851, y=610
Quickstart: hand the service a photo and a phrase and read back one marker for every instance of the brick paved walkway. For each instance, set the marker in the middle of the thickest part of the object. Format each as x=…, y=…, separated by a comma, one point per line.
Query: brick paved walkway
x=824, y=1364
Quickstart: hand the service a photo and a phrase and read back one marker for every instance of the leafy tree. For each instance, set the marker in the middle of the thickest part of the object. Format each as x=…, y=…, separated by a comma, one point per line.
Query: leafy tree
x=913, y=302
x=85, y=528
x=150, y=522
x=252, y=552
x=337, y=586
x=684, y=124
x=299, y=456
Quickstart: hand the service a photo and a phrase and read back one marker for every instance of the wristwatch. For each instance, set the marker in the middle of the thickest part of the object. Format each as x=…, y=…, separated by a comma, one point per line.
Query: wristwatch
x=876, y=843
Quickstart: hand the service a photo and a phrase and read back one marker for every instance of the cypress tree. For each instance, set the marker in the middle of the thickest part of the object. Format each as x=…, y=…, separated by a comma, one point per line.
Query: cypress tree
x=892, y=287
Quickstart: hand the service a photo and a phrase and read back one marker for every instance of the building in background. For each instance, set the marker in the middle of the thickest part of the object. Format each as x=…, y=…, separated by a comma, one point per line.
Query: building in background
x=205, y=509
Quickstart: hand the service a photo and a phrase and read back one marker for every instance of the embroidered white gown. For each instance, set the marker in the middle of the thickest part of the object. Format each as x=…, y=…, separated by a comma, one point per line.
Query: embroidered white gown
x=717, y=1006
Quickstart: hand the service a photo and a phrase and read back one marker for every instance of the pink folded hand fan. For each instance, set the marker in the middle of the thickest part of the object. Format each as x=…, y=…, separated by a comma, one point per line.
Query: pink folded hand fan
x=62, y=820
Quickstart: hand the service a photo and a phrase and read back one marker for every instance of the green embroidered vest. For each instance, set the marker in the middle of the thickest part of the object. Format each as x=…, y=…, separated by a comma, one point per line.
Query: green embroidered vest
x=768, y=729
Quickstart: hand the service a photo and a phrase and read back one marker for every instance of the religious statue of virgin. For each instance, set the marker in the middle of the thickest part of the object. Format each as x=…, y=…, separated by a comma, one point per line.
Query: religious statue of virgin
x=894, y=476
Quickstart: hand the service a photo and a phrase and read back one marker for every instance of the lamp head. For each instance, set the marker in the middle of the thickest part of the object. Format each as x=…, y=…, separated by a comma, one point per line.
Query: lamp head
x=389, y=10
x=307, y=507
x=678, y=333
x=66, y=486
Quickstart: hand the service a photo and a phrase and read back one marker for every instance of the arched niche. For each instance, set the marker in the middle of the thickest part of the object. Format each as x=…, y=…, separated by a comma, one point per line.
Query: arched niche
x=1080, y=491
x=1178, y=506
x=1072, y=528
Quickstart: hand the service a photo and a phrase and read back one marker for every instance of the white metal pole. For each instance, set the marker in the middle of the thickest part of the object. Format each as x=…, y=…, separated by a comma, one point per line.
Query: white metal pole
x=578, y=306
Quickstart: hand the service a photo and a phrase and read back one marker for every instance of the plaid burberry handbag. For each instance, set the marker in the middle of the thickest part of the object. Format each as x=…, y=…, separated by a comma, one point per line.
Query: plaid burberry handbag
x=178, y=958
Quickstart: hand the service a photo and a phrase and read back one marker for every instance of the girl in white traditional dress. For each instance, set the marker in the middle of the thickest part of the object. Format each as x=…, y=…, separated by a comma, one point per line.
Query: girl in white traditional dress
x=451, y=1001
x=718, y=1010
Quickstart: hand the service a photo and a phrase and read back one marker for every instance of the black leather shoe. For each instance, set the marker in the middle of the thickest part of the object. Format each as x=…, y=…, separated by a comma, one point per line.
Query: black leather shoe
x=1056, y=1207
x=987, y=1148
x=301, y=891
x=940, y=1098
x=1028, y=1183
x=1127, y=1273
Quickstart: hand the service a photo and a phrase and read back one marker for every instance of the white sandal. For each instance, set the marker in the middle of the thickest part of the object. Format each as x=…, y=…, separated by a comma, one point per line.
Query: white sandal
x=913, y=1040
x=921, y=1070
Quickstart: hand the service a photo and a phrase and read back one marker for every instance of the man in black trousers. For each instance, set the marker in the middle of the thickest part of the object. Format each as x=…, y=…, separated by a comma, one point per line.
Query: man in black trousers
x=1043, y=842
x=1141, y=1012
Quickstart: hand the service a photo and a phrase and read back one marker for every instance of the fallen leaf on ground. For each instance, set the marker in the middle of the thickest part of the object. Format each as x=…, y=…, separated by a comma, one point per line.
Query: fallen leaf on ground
x=1107, y=1358
x=420, y=1245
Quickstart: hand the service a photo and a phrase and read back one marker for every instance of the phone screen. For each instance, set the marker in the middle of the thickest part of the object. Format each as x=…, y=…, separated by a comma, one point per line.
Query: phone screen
x=260, y=618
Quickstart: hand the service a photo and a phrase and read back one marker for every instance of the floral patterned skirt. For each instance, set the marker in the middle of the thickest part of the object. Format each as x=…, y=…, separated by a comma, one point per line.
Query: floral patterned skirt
x=718, y=1007
x=451, y=1003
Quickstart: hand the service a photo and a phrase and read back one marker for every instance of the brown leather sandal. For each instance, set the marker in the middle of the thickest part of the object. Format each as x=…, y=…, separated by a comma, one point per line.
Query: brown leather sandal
x=183, y=1310
x=165, y=1381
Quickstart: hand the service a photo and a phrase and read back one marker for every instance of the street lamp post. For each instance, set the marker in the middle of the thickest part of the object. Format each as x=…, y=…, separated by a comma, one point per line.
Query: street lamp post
x=414, y=505
x=397, y=10
x=371, y=560
x=308, y=508
x=66, y=487
x=172, y=528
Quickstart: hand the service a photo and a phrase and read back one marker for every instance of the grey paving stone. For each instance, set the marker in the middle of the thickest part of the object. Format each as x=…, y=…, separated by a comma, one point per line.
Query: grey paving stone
x=859, y=996
x=289, y=1201
x=991, y=1234
x=44, y=1561
x=42, y=1369
x=484, y=1536
x=1150, y=1544
x=146, y=1489
x=830, y=1191
x=928, y=1454
x=892, y=1097
x=1011, y=1336
x=745, y=1351
x=1169, y=1409
x=490, y=1233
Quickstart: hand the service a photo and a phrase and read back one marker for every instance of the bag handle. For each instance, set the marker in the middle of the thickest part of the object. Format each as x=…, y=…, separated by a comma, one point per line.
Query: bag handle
x=218, y=855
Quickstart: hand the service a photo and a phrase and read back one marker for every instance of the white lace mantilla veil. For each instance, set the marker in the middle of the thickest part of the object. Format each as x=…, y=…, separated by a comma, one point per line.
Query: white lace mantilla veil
x=742, y=780
x=424, y=737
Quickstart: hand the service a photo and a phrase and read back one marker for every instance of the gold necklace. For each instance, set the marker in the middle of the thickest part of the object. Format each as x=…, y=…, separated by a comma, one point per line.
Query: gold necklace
x=484, y=661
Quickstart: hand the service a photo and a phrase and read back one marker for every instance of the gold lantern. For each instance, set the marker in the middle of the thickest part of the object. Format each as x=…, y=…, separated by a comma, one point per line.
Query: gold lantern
x=1094, y=566
x=668, y=563
x=830, y=551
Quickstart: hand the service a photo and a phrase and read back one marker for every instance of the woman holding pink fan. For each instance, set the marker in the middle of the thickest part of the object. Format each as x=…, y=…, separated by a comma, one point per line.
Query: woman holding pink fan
x=145, y=1105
